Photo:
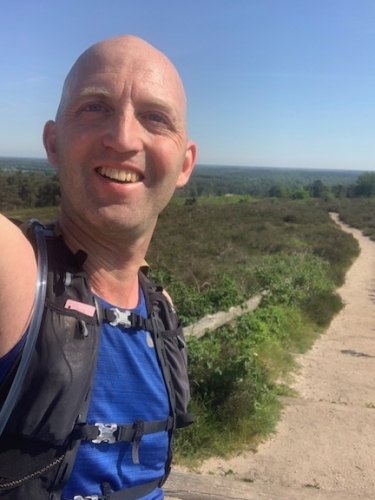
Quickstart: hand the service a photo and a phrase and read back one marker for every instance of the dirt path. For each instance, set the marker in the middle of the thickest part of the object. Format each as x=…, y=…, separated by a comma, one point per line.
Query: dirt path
x=325, y=441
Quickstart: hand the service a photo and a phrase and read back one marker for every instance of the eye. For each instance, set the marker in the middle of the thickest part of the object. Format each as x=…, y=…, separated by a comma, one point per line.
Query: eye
x=155, y=117
x=156, y=122
x=94, y=107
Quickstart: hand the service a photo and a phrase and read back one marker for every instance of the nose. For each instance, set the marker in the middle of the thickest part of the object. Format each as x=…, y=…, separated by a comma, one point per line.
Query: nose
x=123, y=133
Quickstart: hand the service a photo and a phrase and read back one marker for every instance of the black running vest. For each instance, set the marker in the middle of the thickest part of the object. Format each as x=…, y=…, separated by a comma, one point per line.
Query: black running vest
x=40, y=441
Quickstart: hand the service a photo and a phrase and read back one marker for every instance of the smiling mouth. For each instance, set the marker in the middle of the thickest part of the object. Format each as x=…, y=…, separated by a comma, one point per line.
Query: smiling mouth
x=124, y=176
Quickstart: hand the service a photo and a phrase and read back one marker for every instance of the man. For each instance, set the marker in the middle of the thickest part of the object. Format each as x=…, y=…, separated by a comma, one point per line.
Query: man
x=121, y=148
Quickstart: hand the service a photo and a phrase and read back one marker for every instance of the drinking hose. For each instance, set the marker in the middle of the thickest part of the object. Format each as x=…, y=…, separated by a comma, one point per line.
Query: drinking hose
x=33, y=330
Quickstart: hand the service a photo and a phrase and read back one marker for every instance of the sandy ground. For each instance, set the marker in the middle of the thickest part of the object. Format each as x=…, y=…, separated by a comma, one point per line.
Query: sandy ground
x=326, y=437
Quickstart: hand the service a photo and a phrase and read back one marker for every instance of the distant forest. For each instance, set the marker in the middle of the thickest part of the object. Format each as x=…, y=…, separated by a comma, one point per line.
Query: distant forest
x=266, y=181
x=28, y=183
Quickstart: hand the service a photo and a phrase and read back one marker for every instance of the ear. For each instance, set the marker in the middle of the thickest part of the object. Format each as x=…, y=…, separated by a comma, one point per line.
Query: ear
x=188, y=165
x=49, y=141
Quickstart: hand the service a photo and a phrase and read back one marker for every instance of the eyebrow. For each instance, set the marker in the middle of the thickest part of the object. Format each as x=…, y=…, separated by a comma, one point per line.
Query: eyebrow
x=160, y=104
x=94, y=91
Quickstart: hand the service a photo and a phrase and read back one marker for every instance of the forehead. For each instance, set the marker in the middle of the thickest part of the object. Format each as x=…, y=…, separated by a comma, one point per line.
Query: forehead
x=134, y=74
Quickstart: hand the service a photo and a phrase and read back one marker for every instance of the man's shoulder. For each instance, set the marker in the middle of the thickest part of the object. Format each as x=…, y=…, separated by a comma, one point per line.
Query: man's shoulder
x=18, y=275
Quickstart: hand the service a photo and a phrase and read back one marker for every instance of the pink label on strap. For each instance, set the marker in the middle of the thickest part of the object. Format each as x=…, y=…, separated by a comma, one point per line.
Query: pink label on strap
x=80, y=307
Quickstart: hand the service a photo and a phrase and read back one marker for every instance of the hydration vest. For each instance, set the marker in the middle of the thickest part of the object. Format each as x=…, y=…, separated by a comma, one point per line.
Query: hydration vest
x=47, y=424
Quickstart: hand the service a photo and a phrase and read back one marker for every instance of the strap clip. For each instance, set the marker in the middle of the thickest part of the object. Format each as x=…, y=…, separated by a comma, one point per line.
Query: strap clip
x=90, y=497
x=106, y=435
x=121, y=317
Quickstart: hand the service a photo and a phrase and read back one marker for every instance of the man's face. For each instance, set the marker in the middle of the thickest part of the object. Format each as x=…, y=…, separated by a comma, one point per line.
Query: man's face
x=119, y=140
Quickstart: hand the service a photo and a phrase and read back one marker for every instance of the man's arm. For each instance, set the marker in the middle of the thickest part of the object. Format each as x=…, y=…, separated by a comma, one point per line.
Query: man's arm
x=18, y=273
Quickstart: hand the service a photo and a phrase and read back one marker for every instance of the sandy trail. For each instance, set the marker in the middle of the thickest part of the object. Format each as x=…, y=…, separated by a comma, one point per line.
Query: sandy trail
x=326, y=437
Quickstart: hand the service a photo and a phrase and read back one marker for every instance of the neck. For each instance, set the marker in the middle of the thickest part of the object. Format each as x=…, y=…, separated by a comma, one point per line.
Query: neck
x=113, y=260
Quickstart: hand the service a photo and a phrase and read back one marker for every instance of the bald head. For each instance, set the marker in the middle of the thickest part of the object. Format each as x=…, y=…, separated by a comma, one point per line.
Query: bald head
x=120, y=139
x=128, y=52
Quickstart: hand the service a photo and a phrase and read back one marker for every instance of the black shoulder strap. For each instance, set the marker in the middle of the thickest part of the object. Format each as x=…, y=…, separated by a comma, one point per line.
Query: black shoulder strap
x=171, y=346
x=43, y=237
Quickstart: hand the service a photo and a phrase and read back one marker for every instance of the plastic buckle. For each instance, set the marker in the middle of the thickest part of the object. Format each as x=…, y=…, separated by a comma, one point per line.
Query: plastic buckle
x=90, y=497
x=106, y=435
x=121, y=317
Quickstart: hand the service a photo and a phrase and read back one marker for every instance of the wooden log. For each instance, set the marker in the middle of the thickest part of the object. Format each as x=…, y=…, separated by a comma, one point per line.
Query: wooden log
x=214, y=321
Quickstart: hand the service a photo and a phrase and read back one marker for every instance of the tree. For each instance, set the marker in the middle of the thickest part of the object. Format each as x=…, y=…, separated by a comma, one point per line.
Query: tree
x=278, y=191
x=300, y=194
x=49, y=192
x=365, y=185
x=339, y=191
x=317, y=188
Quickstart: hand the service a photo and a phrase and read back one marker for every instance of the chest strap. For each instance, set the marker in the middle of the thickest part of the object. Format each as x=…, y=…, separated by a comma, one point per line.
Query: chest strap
x=113, y=433
x=128, y=319
x=133, y=493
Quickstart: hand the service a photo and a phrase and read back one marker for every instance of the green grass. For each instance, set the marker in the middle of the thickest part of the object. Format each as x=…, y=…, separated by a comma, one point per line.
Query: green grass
x=199, y=243
x=44, y=214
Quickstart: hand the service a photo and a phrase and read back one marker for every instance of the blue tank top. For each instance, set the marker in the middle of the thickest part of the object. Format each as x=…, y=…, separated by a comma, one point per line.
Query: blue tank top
x=128, y=385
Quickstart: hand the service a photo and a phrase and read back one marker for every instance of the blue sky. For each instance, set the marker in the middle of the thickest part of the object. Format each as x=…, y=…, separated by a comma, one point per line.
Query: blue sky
x=287, y=83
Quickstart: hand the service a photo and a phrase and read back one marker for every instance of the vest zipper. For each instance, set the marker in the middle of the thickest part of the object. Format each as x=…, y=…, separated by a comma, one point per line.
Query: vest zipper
x=18, y=482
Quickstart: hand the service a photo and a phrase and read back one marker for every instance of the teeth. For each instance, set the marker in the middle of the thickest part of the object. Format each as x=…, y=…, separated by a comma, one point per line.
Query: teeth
x=119, y=175
x=113, y=174
x=122, y=176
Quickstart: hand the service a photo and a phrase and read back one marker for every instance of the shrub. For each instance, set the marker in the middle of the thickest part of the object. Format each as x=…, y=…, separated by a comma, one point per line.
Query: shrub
x=289, y=279
x=322, y=306
x=193, y=302
x=231, y=390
